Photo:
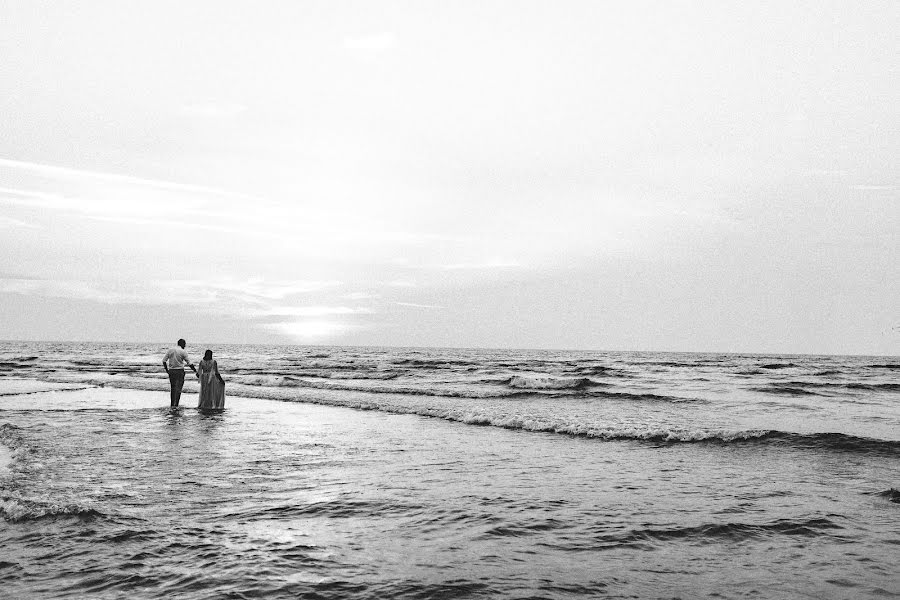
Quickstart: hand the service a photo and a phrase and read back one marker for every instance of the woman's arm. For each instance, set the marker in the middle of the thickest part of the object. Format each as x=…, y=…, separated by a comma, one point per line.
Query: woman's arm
x=216, y=369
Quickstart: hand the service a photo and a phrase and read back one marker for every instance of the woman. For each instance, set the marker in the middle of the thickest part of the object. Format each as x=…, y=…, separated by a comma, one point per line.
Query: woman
x=212, y=386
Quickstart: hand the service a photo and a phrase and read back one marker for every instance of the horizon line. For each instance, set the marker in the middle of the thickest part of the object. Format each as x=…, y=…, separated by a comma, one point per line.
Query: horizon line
x=512, y=349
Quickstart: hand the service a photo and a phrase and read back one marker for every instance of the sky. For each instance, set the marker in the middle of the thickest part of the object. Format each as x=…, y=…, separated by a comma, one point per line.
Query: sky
x=673, y=176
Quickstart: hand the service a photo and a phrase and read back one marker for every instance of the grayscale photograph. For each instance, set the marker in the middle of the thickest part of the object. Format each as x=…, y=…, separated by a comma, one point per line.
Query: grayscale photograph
x=449, y=299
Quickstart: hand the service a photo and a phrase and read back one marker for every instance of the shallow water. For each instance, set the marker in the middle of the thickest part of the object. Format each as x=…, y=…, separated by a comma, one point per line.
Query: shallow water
x=731, y=493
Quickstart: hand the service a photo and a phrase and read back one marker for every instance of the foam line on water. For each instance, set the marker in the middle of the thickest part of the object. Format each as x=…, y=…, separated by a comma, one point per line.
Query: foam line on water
x=404, y=404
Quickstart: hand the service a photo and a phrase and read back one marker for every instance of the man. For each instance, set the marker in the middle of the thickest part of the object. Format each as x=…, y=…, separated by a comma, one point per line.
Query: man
x=173, y=363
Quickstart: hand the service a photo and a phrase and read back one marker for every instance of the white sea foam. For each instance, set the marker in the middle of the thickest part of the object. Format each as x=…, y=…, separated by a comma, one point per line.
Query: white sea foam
x=16, y=507
x=6, y=458
x=548, y=383
x=10, y=386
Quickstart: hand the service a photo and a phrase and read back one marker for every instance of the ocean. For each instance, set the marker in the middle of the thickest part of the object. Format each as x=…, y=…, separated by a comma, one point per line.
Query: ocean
x=422, y=473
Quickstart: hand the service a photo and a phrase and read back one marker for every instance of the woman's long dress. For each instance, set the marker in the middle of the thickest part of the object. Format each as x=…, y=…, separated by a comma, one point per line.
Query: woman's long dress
x=212, y=392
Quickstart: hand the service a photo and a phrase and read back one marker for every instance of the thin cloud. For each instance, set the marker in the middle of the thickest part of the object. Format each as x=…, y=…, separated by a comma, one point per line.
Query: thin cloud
x=492, y=264
x=156, y=208
x=309, y=311
x=361, y=296
x=826, y=173
x=229, y=296
x=9, y=222
x=212, y=110
x=182, y=224
x=242, y=299
x=414, y=305
x=103, y=292
x=276, y=290
x=873, y=188
x=80, y=174
x=376, y=42
x=31, y=197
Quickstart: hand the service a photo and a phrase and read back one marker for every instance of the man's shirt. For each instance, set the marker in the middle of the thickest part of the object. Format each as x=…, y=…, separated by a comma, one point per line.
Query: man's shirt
x=176, y=358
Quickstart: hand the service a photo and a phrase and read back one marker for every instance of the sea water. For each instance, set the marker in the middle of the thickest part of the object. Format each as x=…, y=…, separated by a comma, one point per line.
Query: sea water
x=438, y=473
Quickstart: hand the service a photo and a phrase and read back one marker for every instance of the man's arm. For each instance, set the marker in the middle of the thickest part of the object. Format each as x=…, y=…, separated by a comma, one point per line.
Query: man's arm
x=189, y=363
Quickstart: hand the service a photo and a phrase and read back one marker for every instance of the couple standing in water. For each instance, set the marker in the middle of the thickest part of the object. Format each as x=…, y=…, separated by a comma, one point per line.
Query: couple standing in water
x=212, y=386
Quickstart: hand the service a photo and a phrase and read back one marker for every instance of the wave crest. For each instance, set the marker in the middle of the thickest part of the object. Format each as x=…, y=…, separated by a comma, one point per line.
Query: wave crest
x=522, y=382
x=16, y=509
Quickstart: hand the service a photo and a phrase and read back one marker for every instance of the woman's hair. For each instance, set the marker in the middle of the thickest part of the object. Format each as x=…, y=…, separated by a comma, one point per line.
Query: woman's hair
x=207, y=355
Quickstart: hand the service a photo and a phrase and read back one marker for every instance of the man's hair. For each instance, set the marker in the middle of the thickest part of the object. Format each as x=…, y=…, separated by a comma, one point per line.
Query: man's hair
x=182, y=343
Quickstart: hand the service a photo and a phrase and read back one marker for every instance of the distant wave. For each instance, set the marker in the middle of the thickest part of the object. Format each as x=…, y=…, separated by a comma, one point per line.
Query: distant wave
x=641, y=397
x=289, y=381
x=316, y=374
x=875, y=387
x=268, y=386
x=819, y=441
x=516, y=387
x=606, y=538
x=600, y=370
x=16, y=362
x=550, y=383
x=783, y=389
x=739, y=531
x=775, y=366
x=800, y=388
x=835, y=441
x=263, y=386
x=343, y=508
x=433, y=363
x=716, y=532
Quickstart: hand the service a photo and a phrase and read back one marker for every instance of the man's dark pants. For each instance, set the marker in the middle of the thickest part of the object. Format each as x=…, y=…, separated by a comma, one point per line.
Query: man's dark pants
x=176, y=380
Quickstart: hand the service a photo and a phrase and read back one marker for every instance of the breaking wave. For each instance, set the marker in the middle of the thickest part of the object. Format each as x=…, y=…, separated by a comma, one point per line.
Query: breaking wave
x=550, y=383
x=16, y=509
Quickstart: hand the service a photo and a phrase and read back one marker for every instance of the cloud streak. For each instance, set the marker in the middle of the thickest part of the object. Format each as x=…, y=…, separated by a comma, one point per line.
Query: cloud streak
x=81, y=174
x=255, y=300
x=309, y=311
x=376, y=42
x=415, y=305
x=873, y=188
x=247, y=295
x=10, y=223
x=212, y=110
